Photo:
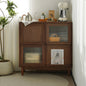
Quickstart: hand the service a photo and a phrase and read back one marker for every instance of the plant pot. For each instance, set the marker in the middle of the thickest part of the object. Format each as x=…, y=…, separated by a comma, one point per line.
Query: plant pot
x=6, y=67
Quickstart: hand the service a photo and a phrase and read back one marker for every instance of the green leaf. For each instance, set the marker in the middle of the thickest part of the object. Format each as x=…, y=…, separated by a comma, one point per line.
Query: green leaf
x=11, y=10
x=10, y=7
x=3, y=21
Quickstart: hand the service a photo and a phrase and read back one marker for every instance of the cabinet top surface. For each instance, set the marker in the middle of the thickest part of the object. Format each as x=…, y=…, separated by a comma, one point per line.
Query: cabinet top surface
x=67, y=22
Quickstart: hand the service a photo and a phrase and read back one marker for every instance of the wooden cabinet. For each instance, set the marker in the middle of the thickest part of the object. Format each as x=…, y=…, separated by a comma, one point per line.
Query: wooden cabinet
x=45, y=46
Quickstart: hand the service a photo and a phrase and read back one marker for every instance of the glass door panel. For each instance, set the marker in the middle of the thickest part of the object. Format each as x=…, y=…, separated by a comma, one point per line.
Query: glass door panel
x=58, y=33
x=32, y=55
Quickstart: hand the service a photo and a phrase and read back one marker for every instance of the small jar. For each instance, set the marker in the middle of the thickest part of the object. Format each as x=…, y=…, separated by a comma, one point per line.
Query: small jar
x=43, y=16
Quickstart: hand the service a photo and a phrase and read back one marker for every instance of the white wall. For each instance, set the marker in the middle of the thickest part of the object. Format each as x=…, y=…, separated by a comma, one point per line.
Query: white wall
x=37, y=7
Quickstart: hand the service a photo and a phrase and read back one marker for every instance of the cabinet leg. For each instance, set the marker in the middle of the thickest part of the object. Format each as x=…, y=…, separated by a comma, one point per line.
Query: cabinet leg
x=22, y=71
x=69, y=71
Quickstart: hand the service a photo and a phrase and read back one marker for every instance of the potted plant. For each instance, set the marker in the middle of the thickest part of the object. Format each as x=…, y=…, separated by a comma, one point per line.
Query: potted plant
x=5, y=65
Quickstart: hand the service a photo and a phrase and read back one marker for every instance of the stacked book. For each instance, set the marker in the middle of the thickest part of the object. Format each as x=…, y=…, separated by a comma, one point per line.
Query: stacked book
x=32, y=57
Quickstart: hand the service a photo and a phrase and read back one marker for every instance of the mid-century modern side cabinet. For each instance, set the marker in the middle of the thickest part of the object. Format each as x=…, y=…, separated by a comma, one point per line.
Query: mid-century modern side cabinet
x=45, y=46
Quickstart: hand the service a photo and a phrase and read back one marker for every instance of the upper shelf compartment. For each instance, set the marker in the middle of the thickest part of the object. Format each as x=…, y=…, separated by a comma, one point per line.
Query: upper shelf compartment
x=33, y=33
x=58, y=33
x=46, y=32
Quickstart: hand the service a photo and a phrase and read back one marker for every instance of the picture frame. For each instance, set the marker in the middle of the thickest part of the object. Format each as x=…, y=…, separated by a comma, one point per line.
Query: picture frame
x=57, y=56
x=51, y=14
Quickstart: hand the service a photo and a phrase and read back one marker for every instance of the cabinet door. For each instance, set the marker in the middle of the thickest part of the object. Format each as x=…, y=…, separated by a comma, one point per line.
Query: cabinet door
x=33, y=55
x=33, y=33
x=58, y=33
x=59, y=55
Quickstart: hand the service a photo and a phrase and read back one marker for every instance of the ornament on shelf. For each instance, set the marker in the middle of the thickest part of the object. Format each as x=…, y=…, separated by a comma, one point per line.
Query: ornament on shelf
x=63, y=6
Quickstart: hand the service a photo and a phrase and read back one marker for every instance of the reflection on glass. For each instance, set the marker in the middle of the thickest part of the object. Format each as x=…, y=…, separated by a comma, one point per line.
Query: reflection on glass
x=58, y=33
x=32, y=55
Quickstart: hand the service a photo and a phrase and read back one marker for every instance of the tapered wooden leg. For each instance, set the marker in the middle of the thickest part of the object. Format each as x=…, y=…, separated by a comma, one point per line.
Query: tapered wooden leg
x=69, y=71
x=22, y=71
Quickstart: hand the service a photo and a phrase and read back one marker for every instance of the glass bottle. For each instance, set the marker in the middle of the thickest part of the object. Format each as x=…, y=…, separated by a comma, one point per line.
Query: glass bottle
x=43, y=16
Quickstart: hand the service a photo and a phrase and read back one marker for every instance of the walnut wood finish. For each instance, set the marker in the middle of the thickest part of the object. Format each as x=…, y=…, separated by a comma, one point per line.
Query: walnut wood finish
x=67, y=54
x=33, y=33
x=36, y=35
